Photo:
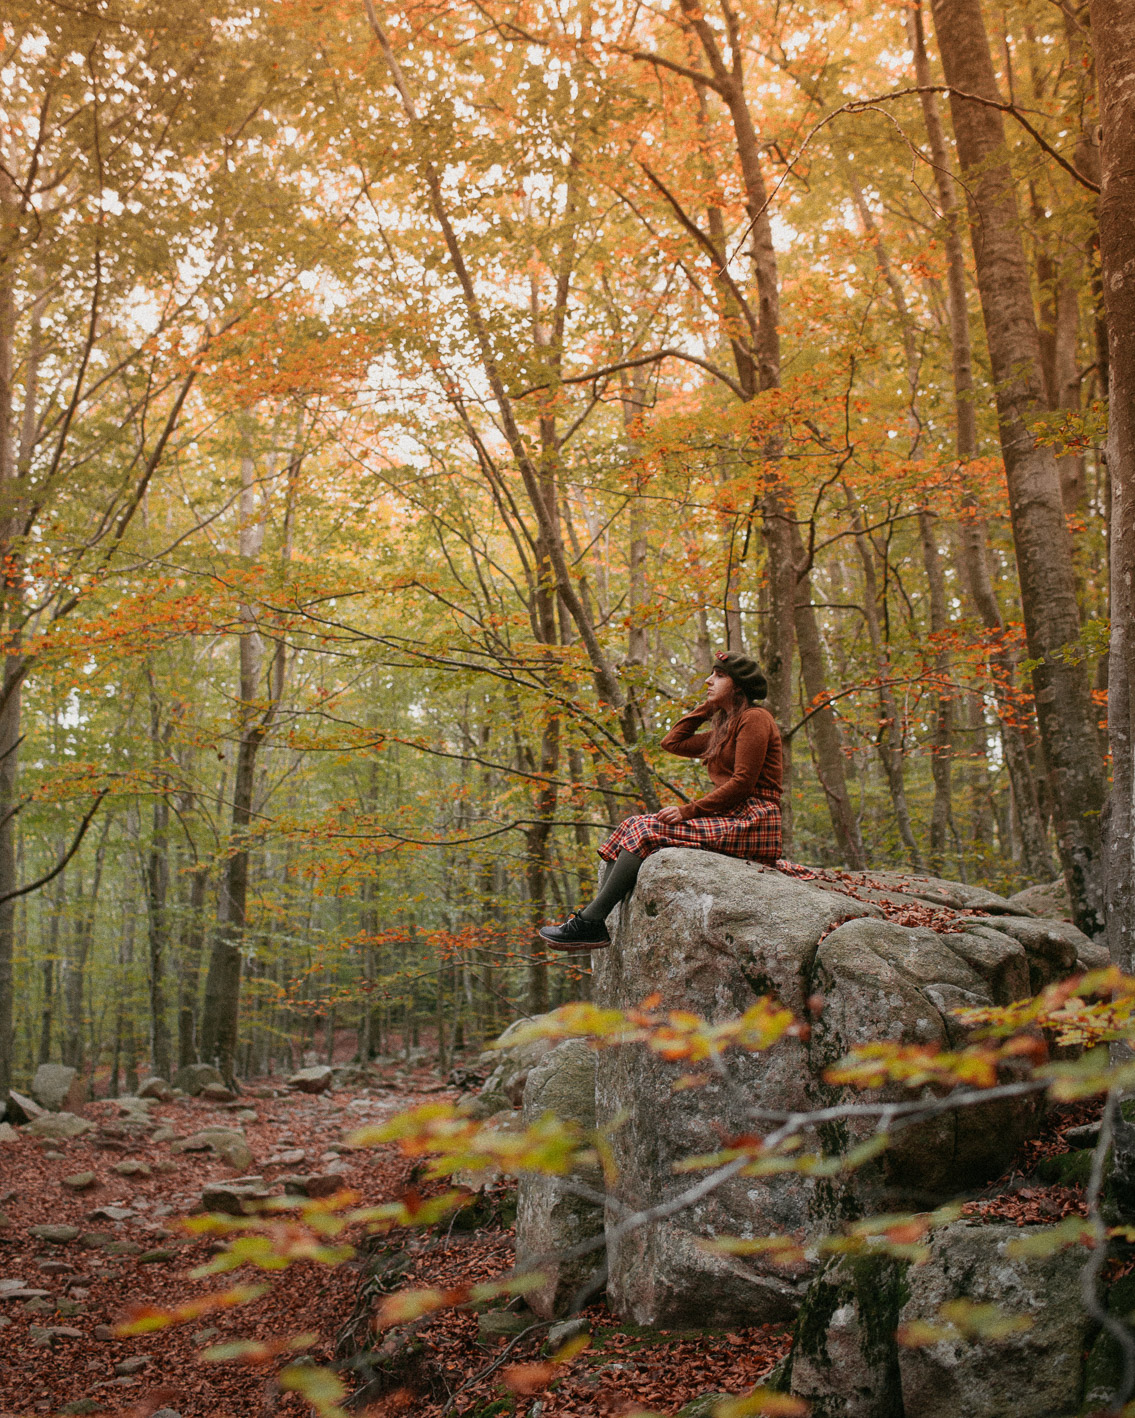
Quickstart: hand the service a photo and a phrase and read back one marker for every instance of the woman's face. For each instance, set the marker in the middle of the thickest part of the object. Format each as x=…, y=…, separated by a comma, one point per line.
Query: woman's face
x=720, y=687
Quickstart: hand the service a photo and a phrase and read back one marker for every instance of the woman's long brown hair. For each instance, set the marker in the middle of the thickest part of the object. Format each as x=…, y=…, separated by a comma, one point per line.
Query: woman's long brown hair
x=723, y=723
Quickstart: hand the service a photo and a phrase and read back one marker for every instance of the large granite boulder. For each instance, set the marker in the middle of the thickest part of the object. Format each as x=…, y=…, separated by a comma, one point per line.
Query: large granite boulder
x=58, y=1088
x=883, y=981
x=847, y=1363
x=1055, y=948
x=711, y=934
x=935, y=891
x=551, y=1219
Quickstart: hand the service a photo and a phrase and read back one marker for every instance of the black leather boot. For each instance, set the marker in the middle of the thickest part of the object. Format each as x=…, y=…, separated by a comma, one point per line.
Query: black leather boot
x=577, y=933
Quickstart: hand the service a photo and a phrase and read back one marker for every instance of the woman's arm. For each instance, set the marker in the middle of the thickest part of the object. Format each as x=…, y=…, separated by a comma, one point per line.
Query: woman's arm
x=682, y=739
x=749, y=752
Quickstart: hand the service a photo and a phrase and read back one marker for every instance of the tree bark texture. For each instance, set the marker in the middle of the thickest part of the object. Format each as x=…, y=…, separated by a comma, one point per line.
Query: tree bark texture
x=822, y=726
x=221, y=1010
x=1040, y=533
x=1113, y=36
x=157, y=898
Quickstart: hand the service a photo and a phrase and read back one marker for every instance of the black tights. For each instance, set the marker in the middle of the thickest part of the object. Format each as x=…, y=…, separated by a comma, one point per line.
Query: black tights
x=618, y=882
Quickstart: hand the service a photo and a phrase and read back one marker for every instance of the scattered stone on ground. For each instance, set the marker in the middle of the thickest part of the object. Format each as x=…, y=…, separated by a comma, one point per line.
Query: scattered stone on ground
x=57, y=1234
x=217, y=1093
x=58, y=1088
x=291, y=1157
x=155, y=1087
x=316, y=1079
x=22, y=1109
x=192, y=1078
x=60, y=1126
x=234, y=1199
x=80, y=1181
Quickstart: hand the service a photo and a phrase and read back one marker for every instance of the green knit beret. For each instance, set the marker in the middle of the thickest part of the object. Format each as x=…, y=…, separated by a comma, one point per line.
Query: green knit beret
x=746, y=674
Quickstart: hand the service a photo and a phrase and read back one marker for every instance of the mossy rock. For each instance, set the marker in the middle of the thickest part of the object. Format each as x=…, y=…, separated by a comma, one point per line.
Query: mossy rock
x=498, y=1408
x=1103, y=1369
x=1066, y=1169
x=498, y=1323
x=869, y=1292
x=704, y=1406
x=122, y=1248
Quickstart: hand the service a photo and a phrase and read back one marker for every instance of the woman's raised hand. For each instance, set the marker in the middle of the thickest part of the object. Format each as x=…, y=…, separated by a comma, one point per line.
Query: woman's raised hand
x=671, y=816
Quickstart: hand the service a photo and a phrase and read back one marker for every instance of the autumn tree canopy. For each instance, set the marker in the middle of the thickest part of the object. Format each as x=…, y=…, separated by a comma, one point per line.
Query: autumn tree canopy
x=399, y=406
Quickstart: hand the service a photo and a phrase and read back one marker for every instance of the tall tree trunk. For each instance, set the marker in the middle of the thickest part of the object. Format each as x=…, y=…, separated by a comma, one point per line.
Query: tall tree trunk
x=1113, y=36
x=822, y=726
x=1040, y=534
x=889, y=741
x=189, y=967
x=126, y=1009
x=972, y=535
x=48, y=975
x=157, y=892
x=941, y=742
x=10, y=596
x=221, y=1013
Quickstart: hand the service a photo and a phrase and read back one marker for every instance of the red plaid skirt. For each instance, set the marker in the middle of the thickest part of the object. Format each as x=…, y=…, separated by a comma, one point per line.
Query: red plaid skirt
x=751, y=831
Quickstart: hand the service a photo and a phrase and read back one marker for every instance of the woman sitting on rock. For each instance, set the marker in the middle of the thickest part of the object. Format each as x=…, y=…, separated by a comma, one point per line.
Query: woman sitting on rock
x=740, y=817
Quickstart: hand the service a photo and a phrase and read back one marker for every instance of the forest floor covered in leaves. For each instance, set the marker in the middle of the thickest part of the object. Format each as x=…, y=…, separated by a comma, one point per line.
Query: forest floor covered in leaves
x=61, y=1296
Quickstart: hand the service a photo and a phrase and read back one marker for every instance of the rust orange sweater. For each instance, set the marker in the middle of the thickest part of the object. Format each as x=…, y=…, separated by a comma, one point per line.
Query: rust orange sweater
x=747, y=763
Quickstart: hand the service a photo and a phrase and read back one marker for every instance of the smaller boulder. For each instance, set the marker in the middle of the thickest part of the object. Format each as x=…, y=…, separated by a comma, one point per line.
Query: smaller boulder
x=155, y=1087
x=134, y=1364
x=57, y=1235
x=110, y=1213
x=217, y=1093
x=22, y=1109
x=57, y=1088
x=131, y=1167
x=1053, y=947
x=80, y=1181
x=323, y=1184
x=60, y=1126
x=233, y=1198
x=227, y=1143
x=704, y=1406
x=551, y=1218
x=316, y=1079
x=192, y=1078
x=1050, y=899
x=564, y=1332
x=8, y=1133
